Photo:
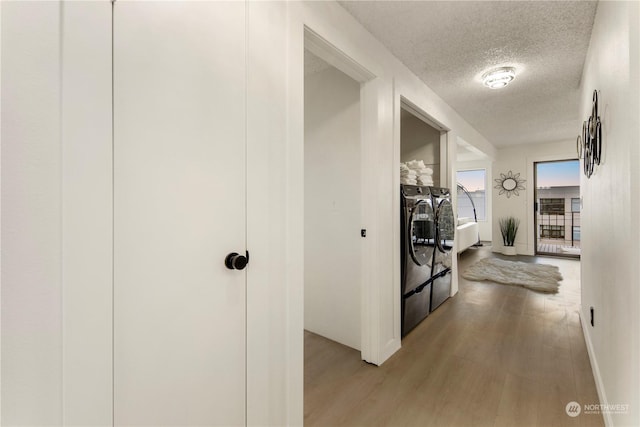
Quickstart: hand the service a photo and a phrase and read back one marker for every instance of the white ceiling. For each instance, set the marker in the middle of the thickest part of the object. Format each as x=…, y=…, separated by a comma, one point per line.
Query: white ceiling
x=313, y=64
x=450, y=44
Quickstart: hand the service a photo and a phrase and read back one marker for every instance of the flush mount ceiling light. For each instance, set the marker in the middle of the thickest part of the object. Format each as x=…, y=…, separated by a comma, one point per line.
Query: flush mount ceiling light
x=499, y=77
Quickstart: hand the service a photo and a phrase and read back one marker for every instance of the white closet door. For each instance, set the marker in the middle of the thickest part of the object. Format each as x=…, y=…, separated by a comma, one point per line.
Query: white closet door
x=179, y=209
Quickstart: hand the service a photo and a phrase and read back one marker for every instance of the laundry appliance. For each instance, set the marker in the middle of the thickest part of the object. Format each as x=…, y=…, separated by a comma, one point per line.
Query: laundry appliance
x=418, y=233
x=445, y=227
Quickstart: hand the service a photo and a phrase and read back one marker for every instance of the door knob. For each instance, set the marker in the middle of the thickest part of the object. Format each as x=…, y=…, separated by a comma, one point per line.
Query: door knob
x=234, y=261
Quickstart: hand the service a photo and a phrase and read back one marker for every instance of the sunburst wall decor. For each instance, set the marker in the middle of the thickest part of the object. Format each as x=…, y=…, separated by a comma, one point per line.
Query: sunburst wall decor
x=509, y=184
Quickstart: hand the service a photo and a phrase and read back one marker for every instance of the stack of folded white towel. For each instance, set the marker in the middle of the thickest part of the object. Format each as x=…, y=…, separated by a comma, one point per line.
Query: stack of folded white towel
x=415, y=172
x=408, y=176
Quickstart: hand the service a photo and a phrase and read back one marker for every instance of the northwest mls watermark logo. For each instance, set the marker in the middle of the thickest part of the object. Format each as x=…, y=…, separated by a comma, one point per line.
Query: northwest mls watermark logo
x=573, y=409
x=608, y=408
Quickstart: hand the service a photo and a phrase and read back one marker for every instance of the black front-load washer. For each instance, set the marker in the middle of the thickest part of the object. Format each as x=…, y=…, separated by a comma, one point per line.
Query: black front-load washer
x=417, y=253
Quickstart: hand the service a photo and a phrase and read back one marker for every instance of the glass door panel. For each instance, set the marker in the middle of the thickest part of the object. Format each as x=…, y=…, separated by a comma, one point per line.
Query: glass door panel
x=422, y=231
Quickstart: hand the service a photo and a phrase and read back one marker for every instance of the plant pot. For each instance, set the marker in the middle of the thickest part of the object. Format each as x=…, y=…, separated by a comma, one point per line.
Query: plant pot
x=509, y=250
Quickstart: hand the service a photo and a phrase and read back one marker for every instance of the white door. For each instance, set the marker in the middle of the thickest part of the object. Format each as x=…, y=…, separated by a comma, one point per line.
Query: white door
x=179, y=209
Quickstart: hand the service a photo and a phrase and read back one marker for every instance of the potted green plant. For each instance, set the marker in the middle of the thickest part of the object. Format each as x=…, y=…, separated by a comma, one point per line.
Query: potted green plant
x=509, y=229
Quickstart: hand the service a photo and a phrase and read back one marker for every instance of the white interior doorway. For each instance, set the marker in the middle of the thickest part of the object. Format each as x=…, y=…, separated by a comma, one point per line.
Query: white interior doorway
x=333, y=197
x=332, y=203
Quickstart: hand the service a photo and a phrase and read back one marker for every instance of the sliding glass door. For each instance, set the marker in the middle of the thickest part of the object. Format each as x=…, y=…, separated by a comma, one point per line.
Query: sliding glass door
x=557, y=208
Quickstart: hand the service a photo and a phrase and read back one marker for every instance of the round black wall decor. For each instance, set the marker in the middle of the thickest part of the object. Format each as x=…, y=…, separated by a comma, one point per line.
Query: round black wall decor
x=589, y=143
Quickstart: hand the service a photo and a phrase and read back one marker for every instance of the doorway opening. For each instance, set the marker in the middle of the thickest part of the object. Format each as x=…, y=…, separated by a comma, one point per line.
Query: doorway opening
x=332, y=203
x=427, y=220
x=420, y=140
x=557, y=208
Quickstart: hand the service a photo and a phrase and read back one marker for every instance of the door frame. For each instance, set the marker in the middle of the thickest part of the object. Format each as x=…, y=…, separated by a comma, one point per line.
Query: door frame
x=448, y=144
x=322, y=48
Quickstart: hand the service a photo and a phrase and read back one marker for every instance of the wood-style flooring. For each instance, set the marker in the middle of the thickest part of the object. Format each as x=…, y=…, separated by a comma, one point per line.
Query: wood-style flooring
x=493, y=355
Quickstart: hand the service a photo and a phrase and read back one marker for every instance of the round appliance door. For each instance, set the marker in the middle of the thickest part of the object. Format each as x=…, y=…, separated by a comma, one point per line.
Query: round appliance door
x=422, y=233
x=446, y=226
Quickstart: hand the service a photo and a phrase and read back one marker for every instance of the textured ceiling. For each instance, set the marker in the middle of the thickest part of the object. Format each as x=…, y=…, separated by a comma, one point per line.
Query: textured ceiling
x=450, y=44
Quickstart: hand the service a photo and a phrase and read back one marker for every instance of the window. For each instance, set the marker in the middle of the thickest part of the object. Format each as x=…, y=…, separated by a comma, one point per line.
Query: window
x=475, y=183
x=576, y=234
x=575, y=204
x=552, y=231
x=552, y=206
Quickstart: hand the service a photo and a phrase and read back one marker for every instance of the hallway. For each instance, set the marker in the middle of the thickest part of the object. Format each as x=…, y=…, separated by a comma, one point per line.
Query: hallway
x=493, y=355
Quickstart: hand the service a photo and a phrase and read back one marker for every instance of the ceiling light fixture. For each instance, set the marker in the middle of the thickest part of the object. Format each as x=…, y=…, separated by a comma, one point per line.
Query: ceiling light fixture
x=499, y=77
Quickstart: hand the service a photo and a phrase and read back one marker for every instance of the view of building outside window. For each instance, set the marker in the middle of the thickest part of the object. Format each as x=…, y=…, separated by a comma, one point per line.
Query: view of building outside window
x=475, y=183
x=558, y=201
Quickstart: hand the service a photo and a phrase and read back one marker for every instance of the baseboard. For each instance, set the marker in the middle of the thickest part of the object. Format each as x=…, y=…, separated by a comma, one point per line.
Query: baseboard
x=389, y=349
x=608, y=422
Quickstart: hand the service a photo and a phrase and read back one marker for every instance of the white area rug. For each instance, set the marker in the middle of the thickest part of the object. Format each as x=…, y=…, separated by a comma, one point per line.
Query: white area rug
x=539, y=277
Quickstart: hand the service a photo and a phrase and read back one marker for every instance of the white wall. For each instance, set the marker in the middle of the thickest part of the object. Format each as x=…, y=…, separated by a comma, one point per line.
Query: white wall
x=56, y=213
x=486, y=225
x=420, y=141
x=332, y=218
x=610, y=227
x=57, y=218
x=31, y=215
x=32, y=388
x=520, y=159
x=274, y=208
x=87, y=230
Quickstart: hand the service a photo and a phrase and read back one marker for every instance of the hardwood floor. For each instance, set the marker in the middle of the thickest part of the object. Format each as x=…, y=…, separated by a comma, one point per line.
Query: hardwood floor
x=493, y=355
